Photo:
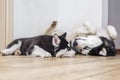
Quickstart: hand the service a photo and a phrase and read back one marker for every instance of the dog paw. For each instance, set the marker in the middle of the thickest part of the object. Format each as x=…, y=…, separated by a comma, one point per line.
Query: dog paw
x=70, y=53
x=3, y=53
x=61, y=53
x=41, y=54
x=47, y=55
x=17, y=53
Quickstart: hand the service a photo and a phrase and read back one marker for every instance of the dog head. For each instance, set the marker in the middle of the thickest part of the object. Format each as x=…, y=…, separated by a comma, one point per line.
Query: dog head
x=60, y=42
x=84, y=45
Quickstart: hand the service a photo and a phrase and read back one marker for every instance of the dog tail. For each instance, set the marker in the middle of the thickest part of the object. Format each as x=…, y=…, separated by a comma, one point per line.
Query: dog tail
x=90, y=28
x=51, y=28
x=112, y=32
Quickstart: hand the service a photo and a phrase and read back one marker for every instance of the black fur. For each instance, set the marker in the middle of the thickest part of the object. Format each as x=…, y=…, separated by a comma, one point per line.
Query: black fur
x=107, y=44
x=95, y=51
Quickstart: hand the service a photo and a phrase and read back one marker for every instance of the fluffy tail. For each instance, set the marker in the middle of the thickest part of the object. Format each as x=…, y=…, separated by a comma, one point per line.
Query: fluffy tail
x=112, y=32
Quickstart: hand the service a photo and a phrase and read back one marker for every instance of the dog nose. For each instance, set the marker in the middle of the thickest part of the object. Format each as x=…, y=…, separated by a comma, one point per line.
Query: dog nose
x=75, y=43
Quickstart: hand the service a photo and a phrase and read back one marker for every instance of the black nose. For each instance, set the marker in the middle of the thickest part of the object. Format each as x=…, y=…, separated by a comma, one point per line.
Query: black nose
x=75, y=43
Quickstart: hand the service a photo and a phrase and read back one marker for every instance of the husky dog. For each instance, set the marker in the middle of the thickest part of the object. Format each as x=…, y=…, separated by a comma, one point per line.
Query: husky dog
x=43, y=45
x=96, y=42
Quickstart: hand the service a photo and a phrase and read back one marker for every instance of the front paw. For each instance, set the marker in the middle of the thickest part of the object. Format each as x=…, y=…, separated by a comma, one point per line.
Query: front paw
x=61, y=53
x=47, y=55
x=70, y=53
x=42, y=55
x=17, y=53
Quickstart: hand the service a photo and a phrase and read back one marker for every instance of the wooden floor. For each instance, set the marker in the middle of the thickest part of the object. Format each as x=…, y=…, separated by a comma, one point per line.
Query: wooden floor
x=77, y=68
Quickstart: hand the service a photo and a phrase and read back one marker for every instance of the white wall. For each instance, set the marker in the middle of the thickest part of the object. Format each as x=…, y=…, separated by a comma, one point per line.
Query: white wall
x=104, y=13
x=114, y=18
x=31, y=17
x=74, y=12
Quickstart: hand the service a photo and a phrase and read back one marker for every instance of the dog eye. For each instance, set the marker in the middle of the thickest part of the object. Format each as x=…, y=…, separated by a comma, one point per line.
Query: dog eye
x=87, y=47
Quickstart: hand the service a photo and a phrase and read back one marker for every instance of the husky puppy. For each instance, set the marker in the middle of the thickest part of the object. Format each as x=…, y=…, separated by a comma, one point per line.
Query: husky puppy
x=42, y=46
x=98, y=43
x=94, y=45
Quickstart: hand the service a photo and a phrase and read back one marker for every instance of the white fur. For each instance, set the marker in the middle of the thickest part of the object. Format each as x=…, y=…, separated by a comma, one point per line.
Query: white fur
x=112, y=31
x=65, y=53
x=37, y=51
x=103, y=52
x=81, y=31
x=103, y=33
x=91, y=41
x=61, y=53
x=85, y=52
x=90, y=28
x=109, y=33
x=70, y=53
x=12, y=49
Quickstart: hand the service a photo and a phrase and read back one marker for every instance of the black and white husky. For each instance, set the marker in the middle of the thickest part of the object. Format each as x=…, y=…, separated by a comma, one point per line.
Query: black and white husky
x=96, y=42
x=42, y=46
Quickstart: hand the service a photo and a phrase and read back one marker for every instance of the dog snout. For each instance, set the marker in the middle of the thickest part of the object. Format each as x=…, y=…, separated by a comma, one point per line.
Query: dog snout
x=75, y=43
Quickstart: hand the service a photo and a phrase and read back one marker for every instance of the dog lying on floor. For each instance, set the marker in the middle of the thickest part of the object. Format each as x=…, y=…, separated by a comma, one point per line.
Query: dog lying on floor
x=95, y=42
x=41, y=46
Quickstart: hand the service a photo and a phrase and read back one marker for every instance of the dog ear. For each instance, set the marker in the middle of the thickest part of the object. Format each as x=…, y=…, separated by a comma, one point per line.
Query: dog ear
x=56, y=40
x=64, y=35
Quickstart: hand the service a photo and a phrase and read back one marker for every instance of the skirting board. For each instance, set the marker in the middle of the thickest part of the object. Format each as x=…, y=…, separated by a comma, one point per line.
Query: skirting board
x=118, y=51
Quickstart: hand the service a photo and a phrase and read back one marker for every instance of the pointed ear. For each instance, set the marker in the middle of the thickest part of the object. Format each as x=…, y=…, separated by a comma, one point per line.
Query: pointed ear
x=55, y=40
x=64, y=35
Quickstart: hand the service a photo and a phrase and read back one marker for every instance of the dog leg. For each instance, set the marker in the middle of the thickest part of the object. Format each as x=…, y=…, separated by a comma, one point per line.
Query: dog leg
x=10, y=50
x=90, y=28
x=51, y=28
x=65, y=53
x=70, y=53
x=39, y=52
x=17, y=53
x=103, y=52
x=61, y=53
x=112, y=32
